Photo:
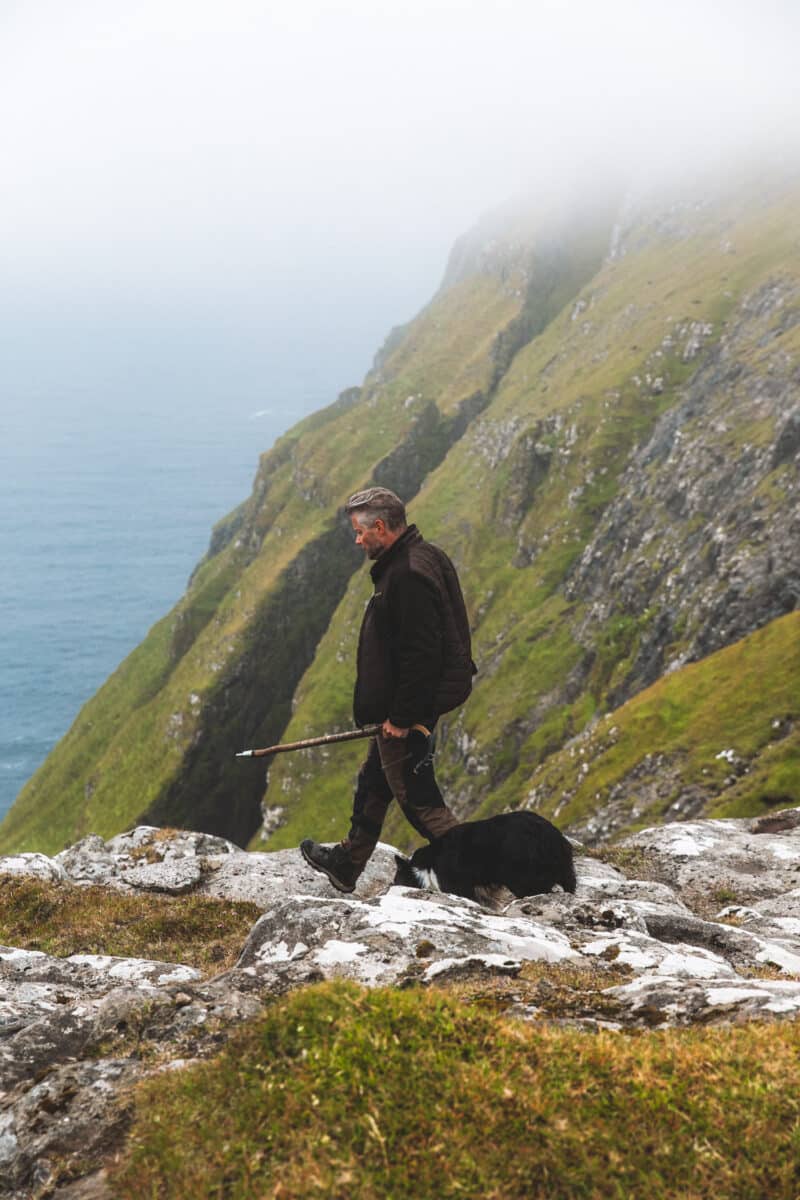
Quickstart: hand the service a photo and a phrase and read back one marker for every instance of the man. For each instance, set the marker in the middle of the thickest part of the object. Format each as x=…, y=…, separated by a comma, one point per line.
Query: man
x=414, y=663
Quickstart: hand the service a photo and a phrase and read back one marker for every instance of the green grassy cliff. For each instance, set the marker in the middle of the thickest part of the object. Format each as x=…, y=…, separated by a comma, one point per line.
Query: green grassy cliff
x=597, y=417
x=586, y=580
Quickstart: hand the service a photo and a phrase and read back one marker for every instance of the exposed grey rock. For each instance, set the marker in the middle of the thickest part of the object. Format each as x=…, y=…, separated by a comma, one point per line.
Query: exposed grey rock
x=785, y=907
x=268, y=878
x=649, y=957
x=695, y=551
x=686, y=474
x=88, y=861
x=175, y=878
x=776, y=822
x=171, y=844
x=377, y=941
x=787, y=444
x=62, y=1100
x=146, y=860
x=93, y=1187
x=713, y=857
x=37, y=865
x=145, y=857
x=49, y=1007
x=74, y=1106
x=592, y=875
x=648, y=1001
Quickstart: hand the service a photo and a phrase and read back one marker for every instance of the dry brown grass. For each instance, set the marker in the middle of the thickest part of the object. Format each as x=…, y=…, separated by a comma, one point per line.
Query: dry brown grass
x=63, y=919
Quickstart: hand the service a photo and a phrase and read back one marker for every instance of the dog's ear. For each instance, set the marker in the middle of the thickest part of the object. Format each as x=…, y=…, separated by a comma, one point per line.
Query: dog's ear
x=404, y=872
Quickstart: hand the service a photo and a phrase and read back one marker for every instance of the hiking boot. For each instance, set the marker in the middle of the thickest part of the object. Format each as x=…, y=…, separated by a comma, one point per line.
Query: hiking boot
x=333, y=861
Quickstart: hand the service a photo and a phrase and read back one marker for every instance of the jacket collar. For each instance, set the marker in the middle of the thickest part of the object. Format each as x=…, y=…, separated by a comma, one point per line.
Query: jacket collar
x=407, y=538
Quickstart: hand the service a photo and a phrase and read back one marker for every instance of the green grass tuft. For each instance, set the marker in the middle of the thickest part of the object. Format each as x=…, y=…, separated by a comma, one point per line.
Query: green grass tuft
x=342, y=1092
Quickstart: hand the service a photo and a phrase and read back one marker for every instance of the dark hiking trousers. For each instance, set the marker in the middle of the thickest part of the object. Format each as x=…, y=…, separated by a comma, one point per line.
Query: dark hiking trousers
x=399, y=769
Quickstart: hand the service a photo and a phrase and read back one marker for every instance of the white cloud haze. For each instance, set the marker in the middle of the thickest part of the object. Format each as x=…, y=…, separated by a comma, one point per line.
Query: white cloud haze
x=212, y=170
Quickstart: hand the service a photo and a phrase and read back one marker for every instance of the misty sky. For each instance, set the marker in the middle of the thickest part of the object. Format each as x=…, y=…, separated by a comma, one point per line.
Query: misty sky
x=201, y=196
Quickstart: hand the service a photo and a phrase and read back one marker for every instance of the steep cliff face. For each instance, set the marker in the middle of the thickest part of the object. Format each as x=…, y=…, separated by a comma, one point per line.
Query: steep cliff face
x=157, y=742
x=598, y=418
x=625, y=504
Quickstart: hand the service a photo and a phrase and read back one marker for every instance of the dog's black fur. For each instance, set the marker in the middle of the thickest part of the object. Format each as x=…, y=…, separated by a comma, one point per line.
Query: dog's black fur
x=518, y=850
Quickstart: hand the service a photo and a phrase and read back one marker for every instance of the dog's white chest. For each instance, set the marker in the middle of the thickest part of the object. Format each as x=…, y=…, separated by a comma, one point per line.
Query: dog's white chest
x=426, y=879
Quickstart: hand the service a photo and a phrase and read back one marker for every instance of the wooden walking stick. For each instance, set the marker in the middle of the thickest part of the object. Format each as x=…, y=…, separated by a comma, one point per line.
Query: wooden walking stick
x=328, y=739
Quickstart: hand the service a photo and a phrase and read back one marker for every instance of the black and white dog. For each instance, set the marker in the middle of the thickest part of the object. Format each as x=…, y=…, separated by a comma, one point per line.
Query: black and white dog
x=520, y=851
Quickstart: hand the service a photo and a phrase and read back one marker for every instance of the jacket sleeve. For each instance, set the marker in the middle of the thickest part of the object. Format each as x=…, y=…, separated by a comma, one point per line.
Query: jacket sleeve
x=416, y=620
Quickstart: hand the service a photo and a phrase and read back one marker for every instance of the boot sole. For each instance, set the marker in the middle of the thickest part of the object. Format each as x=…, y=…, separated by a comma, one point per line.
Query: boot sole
x=337, y=883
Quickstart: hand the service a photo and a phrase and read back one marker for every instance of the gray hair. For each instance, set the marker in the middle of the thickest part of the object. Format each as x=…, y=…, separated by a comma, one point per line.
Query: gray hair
x=378, y=502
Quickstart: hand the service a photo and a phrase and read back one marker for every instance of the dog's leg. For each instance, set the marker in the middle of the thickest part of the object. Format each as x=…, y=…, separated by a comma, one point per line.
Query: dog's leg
x=494, y=896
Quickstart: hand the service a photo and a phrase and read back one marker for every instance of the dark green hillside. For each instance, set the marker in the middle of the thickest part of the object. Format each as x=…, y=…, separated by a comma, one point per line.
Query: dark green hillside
x=599, y=420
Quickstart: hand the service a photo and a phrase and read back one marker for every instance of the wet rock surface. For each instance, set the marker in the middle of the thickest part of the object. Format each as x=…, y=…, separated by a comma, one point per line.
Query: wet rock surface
x=697, y=923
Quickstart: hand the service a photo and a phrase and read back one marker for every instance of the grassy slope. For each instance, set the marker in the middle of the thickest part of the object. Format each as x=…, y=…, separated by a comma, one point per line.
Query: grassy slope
x=573, y=389
x=342, y=1092
x=131, y=740
x=744, y=699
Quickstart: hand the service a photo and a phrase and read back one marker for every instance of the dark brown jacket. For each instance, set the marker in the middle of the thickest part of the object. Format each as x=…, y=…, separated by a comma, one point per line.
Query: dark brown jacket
x=414, y=654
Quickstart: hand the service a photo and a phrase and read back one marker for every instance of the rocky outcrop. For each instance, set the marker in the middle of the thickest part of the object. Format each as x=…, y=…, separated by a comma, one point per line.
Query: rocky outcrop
x=697, y=922
x=703, y=536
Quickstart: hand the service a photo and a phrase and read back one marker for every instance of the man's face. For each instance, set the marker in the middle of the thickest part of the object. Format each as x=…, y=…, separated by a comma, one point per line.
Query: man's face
x=371, y=539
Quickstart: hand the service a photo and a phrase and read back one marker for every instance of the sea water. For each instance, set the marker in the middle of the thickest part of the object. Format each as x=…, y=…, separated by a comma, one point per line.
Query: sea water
x=105, y=509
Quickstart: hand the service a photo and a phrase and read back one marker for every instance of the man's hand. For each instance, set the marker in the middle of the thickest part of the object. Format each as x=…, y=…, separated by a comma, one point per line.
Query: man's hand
x=392, y=731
